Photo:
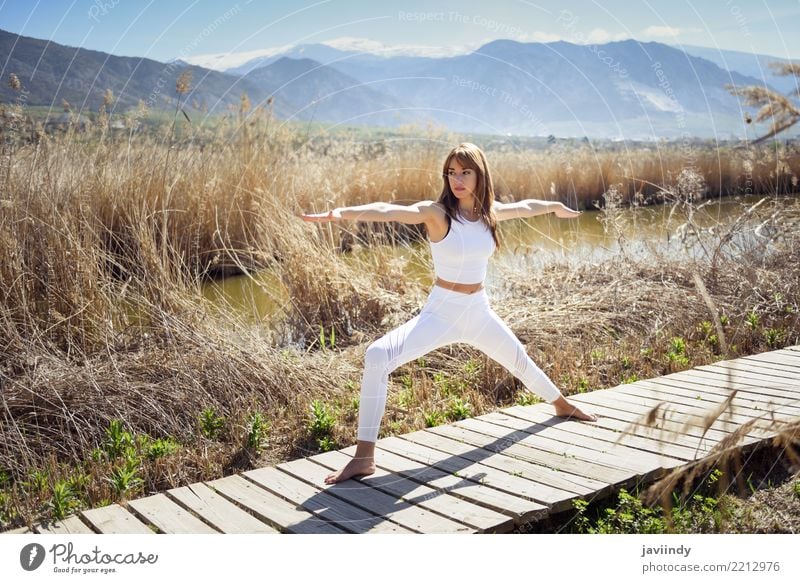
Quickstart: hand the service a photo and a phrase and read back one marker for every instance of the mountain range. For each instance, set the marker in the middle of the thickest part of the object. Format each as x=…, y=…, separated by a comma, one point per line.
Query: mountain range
x=625, y=89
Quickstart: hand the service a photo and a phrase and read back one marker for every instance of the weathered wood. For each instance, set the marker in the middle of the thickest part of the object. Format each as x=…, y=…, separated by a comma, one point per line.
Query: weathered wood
x=225, y=516
x=114, y=519
x=479, y=518
x=780, y=364
x=739, y=414
x=70, y=525
x=583, y=450
x=519, y=509
x=276, y=511
x=167, y=516
x=693, y=413
x=666, y=423
x=553, y=498
x=504, y=453
x=771, y=376
x=745, y=378
x=322, y=503
x=712, y=393
x=363, y=495
x=601, y=431
x=579, y=455
x=789, y=387
x=711, y=384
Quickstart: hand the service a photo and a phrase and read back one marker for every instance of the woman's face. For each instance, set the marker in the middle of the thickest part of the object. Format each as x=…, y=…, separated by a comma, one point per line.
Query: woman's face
x=463, y=181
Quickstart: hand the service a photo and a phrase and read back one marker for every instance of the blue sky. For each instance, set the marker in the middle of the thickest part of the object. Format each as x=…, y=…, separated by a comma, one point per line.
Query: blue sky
x=198, y=29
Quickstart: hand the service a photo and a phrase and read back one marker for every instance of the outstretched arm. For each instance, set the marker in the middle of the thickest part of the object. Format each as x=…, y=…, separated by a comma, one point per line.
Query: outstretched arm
x=377, y=212
x=532, y=208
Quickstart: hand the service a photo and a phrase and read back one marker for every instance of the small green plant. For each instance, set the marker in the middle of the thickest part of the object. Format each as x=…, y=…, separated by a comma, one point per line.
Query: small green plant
x=583, y=385
x=211, y=424
x=118, y=442
x=256, y=432
x=459, y=409
x=321, y=420
x=774, y=337
x=64, y=501
x=405, y=398
x=751, y=319
x=331, y=343
x=597, y=354
x=525, y=398
x=629, y=516
x=472, y=368
x=630, y=379
x=406, y=381
x=38, y=481
x=705, y=328
x=326, y=443
x=796, y=488
x=724, y=320
x=158, y=448
x=626, y=362
x=677, y=351
x=124, y=479
x=433, y=418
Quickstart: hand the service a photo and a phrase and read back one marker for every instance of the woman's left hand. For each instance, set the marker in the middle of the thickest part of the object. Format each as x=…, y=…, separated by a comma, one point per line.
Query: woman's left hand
x=564, y=212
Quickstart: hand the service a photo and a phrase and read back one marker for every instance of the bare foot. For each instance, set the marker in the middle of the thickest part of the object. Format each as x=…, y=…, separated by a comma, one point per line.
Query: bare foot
x=355, y=467
x=566, y=409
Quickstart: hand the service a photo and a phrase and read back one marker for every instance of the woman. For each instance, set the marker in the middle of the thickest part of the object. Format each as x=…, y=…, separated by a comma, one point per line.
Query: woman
x=461, y=227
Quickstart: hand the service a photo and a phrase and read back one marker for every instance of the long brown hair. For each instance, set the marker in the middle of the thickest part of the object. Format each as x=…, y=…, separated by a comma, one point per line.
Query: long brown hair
x=471, y=156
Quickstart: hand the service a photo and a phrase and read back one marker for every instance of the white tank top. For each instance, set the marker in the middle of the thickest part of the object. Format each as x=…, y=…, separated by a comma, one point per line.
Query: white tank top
x=463, y=255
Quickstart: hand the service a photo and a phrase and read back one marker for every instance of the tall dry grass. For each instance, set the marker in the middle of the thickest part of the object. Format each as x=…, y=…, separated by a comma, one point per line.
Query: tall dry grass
x=105, y=240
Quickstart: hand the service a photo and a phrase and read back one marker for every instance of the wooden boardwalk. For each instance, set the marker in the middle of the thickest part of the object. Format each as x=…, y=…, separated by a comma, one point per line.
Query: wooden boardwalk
x=484, y=474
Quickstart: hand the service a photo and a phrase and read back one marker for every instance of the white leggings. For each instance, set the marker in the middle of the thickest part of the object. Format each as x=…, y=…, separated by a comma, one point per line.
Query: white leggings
x=447, y=317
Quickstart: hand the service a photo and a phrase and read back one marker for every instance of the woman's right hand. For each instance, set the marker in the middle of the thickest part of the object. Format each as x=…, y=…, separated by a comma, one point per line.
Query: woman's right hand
x=332, y=215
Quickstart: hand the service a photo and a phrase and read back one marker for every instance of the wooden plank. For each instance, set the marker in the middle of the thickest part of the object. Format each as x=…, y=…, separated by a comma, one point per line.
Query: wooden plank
x=711, y=384
x=745, y=397
x=555, y=499
x=752, y=379
x=322, y=503
x=582, y=449
x=599, y=430
x=568, y=470
x=693, y=413
x=771, y=374
x=742, y=404
x=223, y=515
x=479, y=518
x=70, y=525
x=519, y=509
x=542, y=477
x=168, y=517
x=758, y=379
x=413, y=517
x=742, y=383
x=613, y=464
x=779, y=363
x=114, y=519
x=666, y=423
x=282, y=514
x=739, y=414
